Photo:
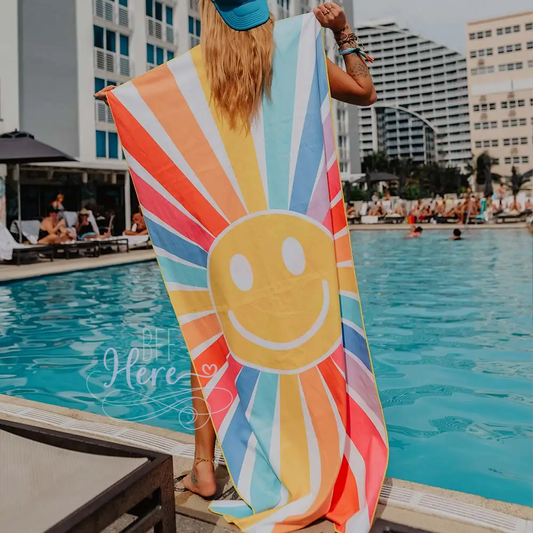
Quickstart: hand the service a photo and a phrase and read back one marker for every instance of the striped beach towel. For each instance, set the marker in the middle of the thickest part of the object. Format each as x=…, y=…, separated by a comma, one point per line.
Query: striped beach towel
x=250, y=233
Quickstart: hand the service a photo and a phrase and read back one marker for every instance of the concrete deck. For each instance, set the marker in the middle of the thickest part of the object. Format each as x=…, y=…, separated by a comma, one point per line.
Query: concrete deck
x=429, y=508
x=44, y=267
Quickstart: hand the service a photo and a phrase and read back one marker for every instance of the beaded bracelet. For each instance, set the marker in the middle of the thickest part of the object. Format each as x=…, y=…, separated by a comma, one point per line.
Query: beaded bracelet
x=359, y=51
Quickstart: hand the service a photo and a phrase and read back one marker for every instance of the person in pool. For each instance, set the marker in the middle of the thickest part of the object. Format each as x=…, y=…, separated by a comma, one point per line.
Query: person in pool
x=456, y=235
x=238, y=48
x=416, y=232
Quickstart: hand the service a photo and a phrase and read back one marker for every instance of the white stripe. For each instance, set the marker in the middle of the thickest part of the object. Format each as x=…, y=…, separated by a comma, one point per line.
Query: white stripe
x=173, y=286
x=150, y=180
x=321, y=170
x=378, y=424
x=227, y=420
x=341, y=233
x=185, y=319
x=348, y=294
x=332, y=160
x=338, y=419
x=369, y=374
x=337, y=199
x=195, y=352
x=345, y=264
x=305, y=70
x=325, y=109
x=160, y=252
x=187, y=79
x=355, y=327
x=340, y=369
x=258, y=135
x=130, y=98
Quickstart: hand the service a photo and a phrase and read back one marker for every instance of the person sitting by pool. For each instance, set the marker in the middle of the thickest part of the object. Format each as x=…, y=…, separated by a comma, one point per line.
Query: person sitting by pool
x=138, y=225
x=528, y=208
x=416, y=232
x=398, y=209
x=515, y=208
x=58, y=205
x=85, y=230
x=350, y=210
x=52, y=230
x=377, y=210
x=456, y=235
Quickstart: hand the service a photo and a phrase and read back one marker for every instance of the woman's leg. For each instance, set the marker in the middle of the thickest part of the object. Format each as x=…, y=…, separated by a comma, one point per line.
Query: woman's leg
x=202, y=478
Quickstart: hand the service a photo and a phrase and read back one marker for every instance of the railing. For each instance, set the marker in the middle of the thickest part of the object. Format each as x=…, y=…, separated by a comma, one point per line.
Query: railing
x=112, y=62
x=112, y=12
x=158, y=30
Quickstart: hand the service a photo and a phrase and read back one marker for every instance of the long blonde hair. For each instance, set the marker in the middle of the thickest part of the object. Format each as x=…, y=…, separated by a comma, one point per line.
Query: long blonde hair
x=238, y=65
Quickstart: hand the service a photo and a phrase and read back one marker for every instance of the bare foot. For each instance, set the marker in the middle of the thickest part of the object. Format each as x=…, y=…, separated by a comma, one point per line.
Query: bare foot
x=201, y=480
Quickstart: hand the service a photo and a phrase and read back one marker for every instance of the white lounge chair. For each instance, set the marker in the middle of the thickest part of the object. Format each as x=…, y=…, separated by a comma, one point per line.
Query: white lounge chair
x=9, y=247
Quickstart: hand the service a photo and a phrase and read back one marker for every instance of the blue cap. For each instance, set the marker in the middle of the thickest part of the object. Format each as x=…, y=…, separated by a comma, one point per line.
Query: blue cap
x=242, y=15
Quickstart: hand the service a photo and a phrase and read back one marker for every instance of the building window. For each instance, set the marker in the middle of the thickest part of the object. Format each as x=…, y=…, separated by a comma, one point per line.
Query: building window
x=101, y=144
x=478, y=144
x=110, y=41
x=150, y=54
x=495, y=143
x=507, y=142
x=124, y=45
x=529, y=26
x=112, y=140
x=159, y=11
x=499, y=31
x=169, y=12
x=516, y=159
x=476, y=108
x=98, y=37
x=507, y=160
x=488, y=33
x=159, y=55
x=530, y=45
x=170, y=55
x=516, y=29
x=283, y=9
x=195, y=30
x=472, y=36
x=473, y=53
x=523, y=122
x=150, y=8
x=523, y=140
x=525, y=159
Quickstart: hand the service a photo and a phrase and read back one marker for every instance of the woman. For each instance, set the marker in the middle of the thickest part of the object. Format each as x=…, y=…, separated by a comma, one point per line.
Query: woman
x=85, y=230
x=57, y=204
x=52, y=230
x=237, y=45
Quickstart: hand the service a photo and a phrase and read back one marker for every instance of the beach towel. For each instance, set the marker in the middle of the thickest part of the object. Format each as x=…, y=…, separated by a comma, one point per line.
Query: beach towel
x=250, y=232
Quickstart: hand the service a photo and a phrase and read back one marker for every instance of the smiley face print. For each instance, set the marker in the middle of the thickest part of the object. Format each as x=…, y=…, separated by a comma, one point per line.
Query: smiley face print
x=273, y=283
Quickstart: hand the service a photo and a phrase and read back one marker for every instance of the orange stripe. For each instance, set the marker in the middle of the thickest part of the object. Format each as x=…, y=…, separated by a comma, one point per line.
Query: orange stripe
x=185, y=302
x=216, y=354
x=345, y=502
x=140, y=145
x=327, y=436
x=338, y=215
x=336, y=385
x=343, y=249
x=162, y=94
x=200, y=330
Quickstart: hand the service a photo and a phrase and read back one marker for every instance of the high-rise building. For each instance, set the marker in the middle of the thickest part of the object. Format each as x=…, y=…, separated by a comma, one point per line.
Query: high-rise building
x=62, y=51
x=422, y=108
x=500, y=80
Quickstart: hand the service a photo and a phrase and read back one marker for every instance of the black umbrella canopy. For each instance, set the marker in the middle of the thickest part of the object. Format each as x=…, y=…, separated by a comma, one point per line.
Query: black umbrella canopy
x=376, y=177
x=18, y=147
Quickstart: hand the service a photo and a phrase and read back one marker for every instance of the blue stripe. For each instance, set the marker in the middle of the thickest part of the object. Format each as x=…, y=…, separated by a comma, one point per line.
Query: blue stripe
x=310, y=152
x=175, y=272
x=162, y=238
x=278, y=111
x=245, y=385
x=350, y=310
x=266, y=487
x=356, y=344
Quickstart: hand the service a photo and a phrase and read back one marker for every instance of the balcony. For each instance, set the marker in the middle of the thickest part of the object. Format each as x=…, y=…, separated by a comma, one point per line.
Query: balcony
x=159, y=30
x=112, y=62
x=112, y=12
x=102, y=113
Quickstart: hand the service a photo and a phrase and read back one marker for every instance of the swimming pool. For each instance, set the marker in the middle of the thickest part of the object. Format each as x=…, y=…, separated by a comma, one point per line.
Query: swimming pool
x=449, y=326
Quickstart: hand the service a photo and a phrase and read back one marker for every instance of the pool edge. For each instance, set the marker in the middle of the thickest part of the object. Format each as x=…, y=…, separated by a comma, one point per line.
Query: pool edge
x=411, y=504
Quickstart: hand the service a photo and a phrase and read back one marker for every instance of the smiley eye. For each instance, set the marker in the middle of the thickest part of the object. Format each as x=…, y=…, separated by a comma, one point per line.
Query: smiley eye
x=293, y=256
x=241, y=272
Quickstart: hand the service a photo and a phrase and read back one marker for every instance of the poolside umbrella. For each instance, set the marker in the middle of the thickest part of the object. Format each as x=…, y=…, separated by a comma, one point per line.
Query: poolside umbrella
x=17, y=148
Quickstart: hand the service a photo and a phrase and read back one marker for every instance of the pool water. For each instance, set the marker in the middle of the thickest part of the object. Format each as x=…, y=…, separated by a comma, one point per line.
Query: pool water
x=449, y=325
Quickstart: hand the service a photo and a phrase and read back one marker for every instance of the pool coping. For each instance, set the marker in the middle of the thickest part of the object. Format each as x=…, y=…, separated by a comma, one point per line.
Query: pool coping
x=437, y=227
x=411, y=504
x=40, y=269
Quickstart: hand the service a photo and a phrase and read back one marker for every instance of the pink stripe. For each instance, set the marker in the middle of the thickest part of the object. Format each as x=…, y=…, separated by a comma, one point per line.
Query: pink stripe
x=219, y=396
x=168, y=213
x=320, y=204
x=329, y=145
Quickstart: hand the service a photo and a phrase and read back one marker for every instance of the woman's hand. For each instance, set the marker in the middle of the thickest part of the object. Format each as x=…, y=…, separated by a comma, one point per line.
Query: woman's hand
x=102, y=95
x=331, y=16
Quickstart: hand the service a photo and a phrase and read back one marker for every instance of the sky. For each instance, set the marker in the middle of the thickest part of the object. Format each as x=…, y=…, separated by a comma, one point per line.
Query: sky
x=443, y=21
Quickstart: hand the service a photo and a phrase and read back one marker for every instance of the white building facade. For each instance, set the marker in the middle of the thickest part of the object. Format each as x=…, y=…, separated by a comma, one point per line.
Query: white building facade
x=422, y=110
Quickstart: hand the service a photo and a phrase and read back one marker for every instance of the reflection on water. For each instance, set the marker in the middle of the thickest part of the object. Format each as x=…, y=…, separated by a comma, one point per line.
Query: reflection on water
x=449, y=326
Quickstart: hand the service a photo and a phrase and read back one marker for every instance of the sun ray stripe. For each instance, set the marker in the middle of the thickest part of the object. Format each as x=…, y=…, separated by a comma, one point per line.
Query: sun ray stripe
x=348, y=294
x=373, y=451
x=161, y=252
x=209, y=362
x=339, y=215
x=369, y=411
x=356, y=344
x=140, y=173
x=199, y=330
x=336, y=382
x=173, y=286
x=278, y=110
x=219, y=396
x=187, y=76
x=175, y=272
x=350, y=310
x=185, y=302
x=347, y=283
x=343, y=249
x=342, y=231
x=334, y=180
x=159, y=161
x=336, y=199
x=258, y=134
x=319, y=204
x=172, y=217
x=309, y=154
x=165, y=237
x=239, y=148
x=305, y=72
x=184, y=319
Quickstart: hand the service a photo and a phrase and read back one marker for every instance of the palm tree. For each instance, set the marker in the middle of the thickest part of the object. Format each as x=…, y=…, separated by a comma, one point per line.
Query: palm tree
x=515, y=182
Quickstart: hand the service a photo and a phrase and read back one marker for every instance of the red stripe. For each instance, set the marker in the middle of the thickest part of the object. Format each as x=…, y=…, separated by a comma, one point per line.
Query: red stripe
x=336, y=385
x=170, y=214
x=152, y=157
x=334, y=181
x=218, y=397
x=216, y=354
x=345, y=501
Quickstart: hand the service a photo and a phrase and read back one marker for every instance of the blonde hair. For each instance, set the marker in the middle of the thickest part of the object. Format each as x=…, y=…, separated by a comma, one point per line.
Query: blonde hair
x=238, y=65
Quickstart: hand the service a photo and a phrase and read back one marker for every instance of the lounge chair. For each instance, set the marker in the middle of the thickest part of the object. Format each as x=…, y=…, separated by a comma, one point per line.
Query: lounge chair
x=30, y=229
x=11, y=249
x=56, y=482
x=510, y=217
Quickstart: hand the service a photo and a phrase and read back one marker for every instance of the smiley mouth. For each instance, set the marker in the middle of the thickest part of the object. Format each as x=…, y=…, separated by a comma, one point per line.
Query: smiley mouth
x=290, y=345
